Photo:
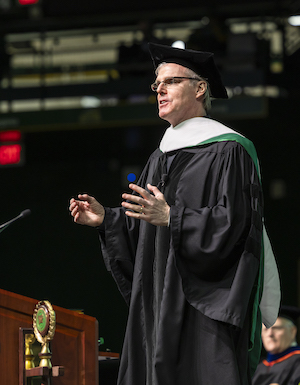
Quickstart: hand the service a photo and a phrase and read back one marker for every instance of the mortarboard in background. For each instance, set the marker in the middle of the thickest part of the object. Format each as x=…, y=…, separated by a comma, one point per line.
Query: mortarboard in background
x=290, y=312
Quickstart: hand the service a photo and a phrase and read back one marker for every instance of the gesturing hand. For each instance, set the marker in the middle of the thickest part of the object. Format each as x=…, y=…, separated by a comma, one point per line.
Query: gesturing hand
x=150, y=208
x=86, y=210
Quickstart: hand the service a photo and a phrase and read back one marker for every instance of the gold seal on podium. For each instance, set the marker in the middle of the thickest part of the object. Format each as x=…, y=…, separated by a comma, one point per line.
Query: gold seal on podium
x=44, y=323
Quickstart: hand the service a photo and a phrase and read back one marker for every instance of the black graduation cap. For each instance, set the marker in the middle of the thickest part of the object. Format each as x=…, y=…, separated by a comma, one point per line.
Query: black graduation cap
x=200, y=62
x=290, y=312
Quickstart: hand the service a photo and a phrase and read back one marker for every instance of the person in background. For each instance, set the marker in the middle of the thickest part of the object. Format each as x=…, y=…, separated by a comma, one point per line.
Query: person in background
x=185, y=248
x=282, y=365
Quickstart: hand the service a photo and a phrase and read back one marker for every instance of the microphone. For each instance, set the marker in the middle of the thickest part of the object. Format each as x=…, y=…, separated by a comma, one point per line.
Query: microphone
x=23, y=214
x=163, y=180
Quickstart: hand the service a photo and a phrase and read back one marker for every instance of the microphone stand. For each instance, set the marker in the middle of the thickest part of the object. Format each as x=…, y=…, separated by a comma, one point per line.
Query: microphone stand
x=23, y=214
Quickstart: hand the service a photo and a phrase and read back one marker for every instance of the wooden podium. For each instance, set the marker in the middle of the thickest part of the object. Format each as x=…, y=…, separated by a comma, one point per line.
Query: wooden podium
x=74, y=347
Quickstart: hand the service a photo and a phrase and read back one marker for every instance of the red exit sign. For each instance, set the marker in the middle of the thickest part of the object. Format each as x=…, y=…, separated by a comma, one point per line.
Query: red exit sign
x=10, y=136
x=25, y=2
x=10, y=154
x=11, y=148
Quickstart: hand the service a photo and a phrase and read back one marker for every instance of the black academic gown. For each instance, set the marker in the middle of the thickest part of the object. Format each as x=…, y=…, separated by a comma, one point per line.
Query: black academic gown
x=283, y=369
x=190, y=286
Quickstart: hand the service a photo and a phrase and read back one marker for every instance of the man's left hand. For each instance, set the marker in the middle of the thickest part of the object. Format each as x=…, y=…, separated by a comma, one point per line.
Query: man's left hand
x=150, y=208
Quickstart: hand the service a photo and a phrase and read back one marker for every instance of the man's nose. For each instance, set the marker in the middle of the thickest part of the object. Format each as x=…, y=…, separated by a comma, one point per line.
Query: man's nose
x=161, y=87
x=269, y=331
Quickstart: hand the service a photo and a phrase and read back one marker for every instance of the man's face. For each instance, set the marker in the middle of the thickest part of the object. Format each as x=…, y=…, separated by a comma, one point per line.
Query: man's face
x=279, y=337
x=177, y=102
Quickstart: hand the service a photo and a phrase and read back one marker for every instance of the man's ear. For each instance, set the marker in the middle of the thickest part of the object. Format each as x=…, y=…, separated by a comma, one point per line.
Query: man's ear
x=201, y=88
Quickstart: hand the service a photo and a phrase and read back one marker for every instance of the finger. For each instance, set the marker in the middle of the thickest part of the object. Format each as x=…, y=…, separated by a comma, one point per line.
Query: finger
x=71, y=207
x=144, y=193
x=130, y=206
x=75, y=204
x=74, y=209
x=82, y=196
x=136, y=215
x=134, y=198
x=86, y=197
x=76, y=217
x=154, y=190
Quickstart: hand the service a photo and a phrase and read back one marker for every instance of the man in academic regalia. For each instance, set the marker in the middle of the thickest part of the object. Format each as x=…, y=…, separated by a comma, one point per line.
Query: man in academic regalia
x=188, y=249
x=282, y=365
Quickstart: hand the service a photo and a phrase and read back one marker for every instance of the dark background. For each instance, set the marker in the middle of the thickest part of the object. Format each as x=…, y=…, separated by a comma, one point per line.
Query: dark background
x=46, y=255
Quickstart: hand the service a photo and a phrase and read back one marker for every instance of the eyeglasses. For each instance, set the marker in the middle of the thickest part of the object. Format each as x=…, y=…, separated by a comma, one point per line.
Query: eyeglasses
x=169, y=81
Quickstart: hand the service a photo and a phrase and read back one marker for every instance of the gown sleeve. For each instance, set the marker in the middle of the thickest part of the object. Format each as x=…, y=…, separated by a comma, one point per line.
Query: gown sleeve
x=118, y=241
x=217, y=239
x=119, y=236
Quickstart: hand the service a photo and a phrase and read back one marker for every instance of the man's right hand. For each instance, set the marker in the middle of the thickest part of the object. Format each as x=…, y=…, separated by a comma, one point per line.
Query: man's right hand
x=86, y=210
